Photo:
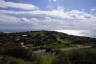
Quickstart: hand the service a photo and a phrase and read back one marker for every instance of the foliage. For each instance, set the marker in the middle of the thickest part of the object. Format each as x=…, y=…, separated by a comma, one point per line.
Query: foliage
x=12, y=60
x=46, y=60
x=19, y=52
x=81, y=56
x=51, y=43
x=38, y=38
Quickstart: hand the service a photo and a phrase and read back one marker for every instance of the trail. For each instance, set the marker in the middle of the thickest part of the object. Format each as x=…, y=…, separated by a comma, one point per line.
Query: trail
x=74, y=48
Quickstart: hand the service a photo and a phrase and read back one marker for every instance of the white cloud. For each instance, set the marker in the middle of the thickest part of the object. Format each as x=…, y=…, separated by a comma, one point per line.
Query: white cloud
x=13, y=23
x=79, y=14
x=52, y=0
x=4, y=4
x=59, y=13
x=52, y=20
x=8, y=19
x=54, y=13
x=74, y=32
x=46, y=23
x=93, y=9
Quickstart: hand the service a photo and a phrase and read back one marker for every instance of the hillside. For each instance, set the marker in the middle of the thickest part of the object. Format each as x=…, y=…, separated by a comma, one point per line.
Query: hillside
x=46, y=47
x=43, y=37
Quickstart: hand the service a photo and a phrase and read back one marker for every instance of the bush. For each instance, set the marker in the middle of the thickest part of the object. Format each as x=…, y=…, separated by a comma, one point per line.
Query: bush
x=20, y=52
x=13, y=60
x=82, y=56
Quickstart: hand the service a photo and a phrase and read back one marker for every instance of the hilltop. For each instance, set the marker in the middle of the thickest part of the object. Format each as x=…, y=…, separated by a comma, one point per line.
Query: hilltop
x=43, y=37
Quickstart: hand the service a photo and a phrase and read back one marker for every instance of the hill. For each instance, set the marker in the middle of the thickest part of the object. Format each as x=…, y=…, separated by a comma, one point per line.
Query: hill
x=43, y=37
x=46, y=47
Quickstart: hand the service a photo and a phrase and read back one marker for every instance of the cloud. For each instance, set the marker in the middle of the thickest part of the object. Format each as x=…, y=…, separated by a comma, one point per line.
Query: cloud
x=46, y=23
x=80, y=14
x=88, y=33
x=8, y=19
x=53, y=13
x=56, y=19
x=93, y=9
x=52, y=0
x=59, y=13
x=13, y=23
x=4, y=4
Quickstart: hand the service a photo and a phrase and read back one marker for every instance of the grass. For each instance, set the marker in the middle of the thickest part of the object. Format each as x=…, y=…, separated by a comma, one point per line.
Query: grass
x=80, y=56
x=47, y=59
x=64, y=41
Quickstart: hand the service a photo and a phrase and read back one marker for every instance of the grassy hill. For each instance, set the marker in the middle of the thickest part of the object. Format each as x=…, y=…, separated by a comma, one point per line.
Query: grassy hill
x=43, y=37
x=46, y=47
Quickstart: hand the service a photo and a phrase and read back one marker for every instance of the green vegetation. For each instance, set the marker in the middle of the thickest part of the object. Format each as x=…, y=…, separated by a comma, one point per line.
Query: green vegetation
x=80, y=56
x=13, y=60
x=46, y=47
x=47, y=59
x=38, y=38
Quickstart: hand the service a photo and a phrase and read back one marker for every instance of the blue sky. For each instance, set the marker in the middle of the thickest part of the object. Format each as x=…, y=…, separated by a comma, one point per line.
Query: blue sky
x=23, y=15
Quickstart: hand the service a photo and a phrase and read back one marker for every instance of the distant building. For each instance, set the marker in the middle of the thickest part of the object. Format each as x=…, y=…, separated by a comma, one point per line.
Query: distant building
x=22, y=43
x=24, y=35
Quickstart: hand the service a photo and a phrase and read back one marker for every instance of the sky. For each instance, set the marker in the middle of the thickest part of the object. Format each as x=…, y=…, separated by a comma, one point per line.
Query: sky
x=26, y=15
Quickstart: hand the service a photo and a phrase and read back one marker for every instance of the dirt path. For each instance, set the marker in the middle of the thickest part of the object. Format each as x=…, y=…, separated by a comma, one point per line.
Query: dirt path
x=71, y=48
